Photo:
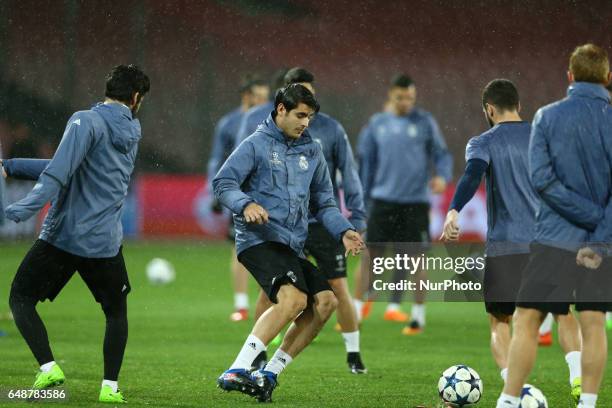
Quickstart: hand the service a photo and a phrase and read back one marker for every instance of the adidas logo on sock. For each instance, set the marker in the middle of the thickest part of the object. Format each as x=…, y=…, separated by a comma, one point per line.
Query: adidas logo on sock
x=253, y=345
x=282, y=360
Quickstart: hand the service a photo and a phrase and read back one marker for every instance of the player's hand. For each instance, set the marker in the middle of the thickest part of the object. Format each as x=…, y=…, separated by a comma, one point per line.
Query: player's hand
x=255, y=213
x=353, y=243
x=450, y=232
x=588, y=258
x=437, y=185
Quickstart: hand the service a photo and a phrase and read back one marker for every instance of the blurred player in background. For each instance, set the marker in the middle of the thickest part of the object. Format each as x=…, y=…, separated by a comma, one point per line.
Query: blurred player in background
x=500, y=154
x=87, y=182
x=397, y=151
x=570, y=164
x=258, y=114
x=253, y=92
x=270, y=182
x=328, y=252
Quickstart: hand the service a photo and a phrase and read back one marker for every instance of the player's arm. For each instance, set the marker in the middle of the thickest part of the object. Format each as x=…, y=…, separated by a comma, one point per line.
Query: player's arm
x=24, y=169
x=366, y=152
x=216, y=158
x=570, y=205
x=601, y=238
x=466, y=189
x=323, y=206
x=76, y=142
x=353, y=193
x=441, y=157
x=226, y=184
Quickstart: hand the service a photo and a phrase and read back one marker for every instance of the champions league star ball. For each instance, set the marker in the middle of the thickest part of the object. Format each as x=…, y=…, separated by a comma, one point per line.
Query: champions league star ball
x=160, y=272
x=460, y=386
x=531, y=397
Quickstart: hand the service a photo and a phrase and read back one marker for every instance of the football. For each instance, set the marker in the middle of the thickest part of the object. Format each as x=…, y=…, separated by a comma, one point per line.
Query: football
x=160, y=272
x=531, y=397
x=460, y=386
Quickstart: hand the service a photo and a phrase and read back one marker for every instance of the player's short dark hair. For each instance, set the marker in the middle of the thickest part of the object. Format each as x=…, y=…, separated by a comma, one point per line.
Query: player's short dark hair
x=401, y=81
x=250, y=81
x=294, y=94
x=124, y=81
x=589, y=63
x=502, y=94
x=298, y=75
x=278, y=79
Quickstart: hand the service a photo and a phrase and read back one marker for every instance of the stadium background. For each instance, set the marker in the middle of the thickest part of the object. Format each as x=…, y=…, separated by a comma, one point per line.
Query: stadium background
x=53, y=58
x=55, y=55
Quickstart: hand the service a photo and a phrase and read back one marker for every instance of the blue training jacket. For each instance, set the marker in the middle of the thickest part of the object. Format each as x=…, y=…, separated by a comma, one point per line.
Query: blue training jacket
x=330, y=134
x=287, y=178
x=87, y=182
x=570, y=160
x=224, y=142
x=396, y=154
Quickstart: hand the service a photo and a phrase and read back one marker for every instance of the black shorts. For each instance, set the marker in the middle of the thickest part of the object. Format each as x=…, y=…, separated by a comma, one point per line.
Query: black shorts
x=46, y=269
x=502, y=281
x=552, y=281
x=392, y=222
x=273, y=264
x=328, y=252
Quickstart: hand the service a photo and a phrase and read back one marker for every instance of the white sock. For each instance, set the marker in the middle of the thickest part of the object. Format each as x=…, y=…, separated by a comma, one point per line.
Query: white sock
x=393, y=307
x=251, y=349
x=508, y=401
x=358, y=306
x=609, y=315
x=45, y=368
x=504, y=374
x=113, y=384
x=279, y=361
x=418, y=313
x=546, y=326
x=351, y=341
x=241, y=301
x=587, y=401
x=573, y=362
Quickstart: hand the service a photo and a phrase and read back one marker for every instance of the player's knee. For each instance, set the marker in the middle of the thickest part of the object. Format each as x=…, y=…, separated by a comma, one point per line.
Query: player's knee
x=527, y=321
x=18, y=300
x=293, y=301
x=326, y=303
x=340, y=288
x=115, y=309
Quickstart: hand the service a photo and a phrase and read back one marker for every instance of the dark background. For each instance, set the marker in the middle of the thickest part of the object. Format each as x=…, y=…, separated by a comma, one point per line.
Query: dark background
x=55, y=55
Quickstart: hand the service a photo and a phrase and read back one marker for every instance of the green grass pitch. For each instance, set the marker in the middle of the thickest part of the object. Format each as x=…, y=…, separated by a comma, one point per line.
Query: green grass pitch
x=181, y=339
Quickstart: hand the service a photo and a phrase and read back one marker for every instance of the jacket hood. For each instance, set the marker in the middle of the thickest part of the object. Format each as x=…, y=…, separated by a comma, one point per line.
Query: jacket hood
x=589, y=90
x=124, y=129
x=270, y=128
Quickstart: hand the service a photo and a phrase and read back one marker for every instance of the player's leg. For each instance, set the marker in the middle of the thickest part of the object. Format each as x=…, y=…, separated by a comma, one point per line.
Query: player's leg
x=331, y=262
x=263, y=304
x=500, y=340
x=413, y=231
x=594, y=354
x=240, y=277
x=303, y=330
x=107, y=279
x=43, y=273
x=570, y=341
x=522, y=353
x=277, y=270
x=362, y=298
x=545, y=332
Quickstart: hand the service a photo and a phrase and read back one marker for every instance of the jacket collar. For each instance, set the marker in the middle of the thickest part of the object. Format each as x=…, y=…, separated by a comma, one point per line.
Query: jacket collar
x=589, y=90
x=271, y=129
